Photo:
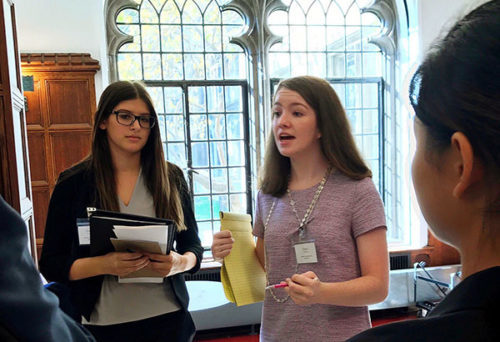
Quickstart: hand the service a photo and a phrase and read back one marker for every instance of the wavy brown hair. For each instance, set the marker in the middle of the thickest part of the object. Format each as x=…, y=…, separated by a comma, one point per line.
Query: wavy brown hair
x=337, y=142
x=161, y=178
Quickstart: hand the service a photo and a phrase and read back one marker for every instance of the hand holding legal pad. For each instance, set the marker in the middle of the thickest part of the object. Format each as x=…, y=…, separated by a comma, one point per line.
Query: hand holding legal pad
x=242, y=276
x=114, y=231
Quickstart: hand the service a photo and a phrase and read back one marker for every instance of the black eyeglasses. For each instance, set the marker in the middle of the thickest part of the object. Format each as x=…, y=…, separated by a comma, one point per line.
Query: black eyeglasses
x=126, y=118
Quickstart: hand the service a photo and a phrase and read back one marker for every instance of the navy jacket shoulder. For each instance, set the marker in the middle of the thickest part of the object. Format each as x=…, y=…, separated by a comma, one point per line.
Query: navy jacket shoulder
x=23, y=299
x=468, y=313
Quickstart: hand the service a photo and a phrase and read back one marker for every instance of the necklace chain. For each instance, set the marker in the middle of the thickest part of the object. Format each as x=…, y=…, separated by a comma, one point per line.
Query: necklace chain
x=301, y=226
x=313, y=201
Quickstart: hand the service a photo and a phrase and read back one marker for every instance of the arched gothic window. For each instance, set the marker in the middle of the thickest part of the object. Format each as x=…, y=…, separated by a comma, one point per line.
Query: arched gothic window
x=211, y=66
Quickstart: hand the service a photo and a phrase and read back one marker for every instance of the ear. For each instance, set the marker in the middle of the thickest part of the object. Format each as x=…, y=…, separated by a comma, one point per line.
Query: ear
x=104, y=124
x=469, y=169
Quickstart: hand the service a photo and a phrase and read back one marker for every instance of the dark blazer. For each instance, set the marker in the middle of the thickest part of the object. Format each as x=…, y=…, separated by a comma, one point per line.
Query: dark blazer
x=468, y=313
x=28, y=312
x=74, y=192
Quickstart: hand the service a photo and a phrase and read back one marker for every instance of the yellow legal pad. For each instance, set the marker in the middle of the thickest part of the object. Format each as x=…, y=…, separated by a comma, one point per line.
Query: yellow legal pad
x=242, y=276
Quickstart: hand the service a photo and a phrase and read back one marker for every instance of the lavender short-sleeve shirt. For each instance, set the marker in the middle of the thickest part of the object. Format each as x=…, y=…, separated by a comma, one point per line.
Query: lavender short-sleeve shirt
x=346, y=209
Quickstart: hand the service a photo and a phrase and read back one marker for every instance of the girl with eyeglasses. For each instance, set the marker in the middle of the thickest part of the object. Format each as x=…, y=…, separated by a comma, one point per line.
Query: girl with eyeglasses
x=125, y=171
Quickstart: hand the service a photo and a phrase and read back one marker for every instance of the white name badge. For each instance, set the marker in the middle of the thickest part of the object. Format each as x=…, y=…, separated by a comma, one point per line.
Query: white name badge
x=83, y=231
x=305, y=252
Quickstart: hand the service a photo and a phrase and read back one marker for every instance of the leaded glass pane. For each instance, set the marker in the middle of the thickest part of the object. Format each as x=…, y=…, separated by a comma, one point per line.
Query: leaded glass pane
x=353, y=17
x=218, y=155
x=176, y=153
x=238, y=203
x=236, y=153
x=129, y=66
x=317, y=64
x=148, y=13
x=170, y=14
x=344, y=4
x=175, y=127
x=152, y=66
x=215, y=99
x=214, y=66
x=194, y=66
x=198, y=127
x=219, y=180
x=299, y=41
x=233, y=99
x=172, y=66
x=202, y=207
x=370, y=121
x=237, y=181
x=128, y=16
x=296, y=13
x=150, y=38
x=316, y=15
x=212, y=14
x=299, y=64
x=219, y=203
x=316, y=38
x=201, y=182
x=191, y=13
x=234, y=126
x=173, y=100
x=161, y=126
x=335, y=38
x=157, y=97
x=213, y=39
x=171, y=38
x=197, y=100
x=199, y=154
x=193, y=38
x=216, y=127
x=235, y=66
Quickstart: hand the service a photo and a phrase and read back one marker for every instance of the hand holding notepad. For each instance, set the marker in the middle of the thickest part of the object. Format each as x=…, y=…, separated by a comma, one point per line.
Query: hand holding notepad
x=242, y=275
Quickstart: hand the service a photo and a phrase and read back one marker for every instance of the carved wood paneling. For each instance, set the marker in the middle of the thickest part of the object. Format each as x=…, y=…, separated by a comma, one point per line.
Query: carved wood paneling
x=76, y=146
x=68, y=101
x=36, y=142
x=60, y=114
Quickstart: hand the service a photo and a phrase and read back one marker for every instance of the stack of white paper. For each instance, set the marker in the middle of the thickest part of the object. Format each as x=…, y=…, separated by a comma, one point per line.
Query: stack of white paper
x=137, y=238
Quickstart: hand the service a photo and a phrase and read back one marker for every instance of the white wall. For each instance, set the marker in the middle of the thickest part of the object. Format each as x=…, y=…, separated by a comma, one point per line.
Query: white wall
x=437, y=16
x=64, y=26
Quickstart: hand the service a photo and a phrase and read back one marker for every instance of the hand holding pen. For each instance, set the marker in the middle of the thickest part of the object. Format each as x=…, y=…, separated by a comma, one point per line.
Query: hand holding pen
x=304, y=289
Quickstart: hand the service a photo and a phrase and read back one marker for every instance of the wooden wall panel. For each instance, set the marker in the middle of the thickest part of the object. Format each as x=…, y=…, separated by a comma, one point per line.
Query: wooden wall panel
x=68, y=101
x=41, y=195
x=68, y=148
x=36, y=142
x=33, y=113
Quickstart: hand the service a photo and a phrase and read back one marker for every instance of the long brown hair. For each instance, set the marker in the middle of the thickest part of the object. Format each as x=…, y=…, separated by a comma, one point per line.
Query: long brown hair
x=337, y=142
x=160, y=177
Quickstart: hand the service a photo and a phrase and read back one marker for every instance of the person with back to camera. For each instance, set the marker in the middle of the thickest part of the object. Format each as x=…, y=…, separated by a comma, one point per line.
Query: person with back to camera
x=125, y=172
x=28, y=311
x=319, y=221
x=456, y=97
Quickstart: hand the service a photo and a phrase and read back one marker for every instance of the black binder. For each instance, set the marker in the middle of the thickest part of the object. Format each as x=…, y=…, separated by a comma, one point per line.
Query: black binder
x=101, y=228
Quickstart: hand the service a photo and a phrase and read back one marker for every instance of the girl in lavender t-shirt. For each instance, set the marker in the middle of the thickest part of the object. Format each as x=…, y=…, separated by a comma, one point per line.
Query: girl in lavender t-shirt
x=319, y=221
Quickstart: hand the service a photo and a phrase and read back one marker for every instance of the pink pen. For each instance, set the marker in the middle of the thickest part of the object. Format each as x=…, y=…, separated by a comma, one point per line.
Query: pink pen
x=276, y=286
